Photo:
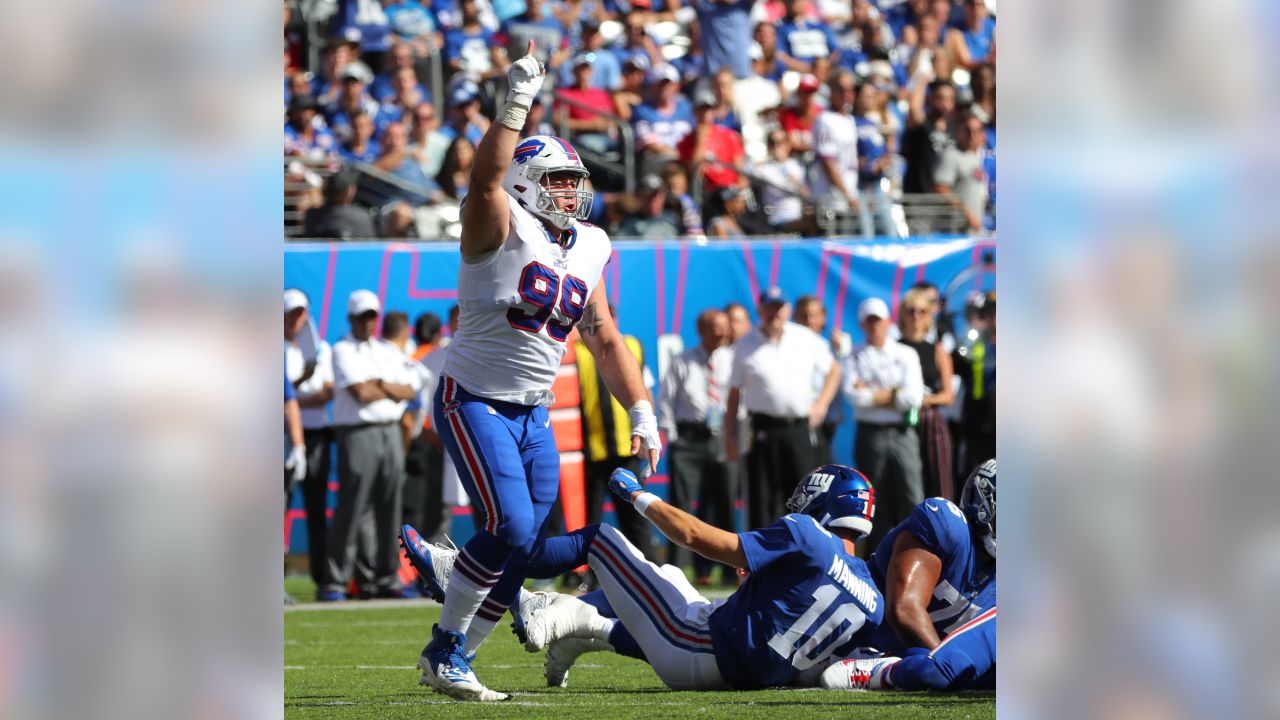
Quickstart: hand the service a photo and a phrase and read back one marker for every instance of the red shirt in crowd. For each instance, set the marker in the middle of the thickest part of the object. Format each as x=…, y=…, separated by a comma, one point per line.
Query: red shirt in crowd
x=721, y=146
x=597, y=98
x=791, y=121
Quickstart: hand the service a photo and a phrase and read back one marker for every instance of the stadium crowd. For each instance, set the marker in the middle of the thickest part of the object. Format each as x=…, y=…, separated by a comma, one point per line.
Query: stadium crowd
x=724, y=118
x=740, y=419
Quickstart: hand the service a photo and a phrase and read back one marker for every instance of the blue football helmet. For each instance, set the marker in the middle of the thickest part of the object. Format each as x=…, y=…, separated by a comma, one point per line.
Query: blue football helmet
x=978, y=501
x=837, y=496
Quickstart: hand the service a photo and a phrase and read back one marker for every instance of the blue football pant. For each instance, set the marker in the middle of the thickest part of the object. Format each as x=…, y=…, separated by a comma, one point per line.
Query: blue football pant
x=966, y=660
x=507, y=460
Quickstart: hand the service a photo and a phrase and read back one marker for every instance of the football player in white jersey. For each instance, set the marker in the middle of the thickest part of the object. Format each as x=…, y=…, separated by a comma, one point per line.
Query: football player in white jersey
x=529, y=274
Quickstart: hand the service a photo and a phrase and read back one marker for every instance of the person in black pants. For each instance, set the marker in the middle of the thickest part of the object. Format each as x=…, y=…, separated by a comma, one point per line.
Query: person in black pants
x=691, y=411
x=773, y=371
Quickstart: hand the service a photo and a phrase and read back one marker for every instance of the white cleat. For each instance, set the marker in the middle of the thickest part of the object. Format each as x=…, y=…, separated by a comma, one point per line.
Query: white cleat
x=565, y=617
x=563, y=653
x=857, y=674
x=528, y=603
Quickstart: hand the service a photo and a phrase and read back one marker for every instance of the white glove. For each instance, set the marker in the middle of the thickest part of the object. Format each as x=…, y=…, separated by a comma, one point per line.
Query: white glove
x=296, y=463
x=644, y=426
x=526, y=76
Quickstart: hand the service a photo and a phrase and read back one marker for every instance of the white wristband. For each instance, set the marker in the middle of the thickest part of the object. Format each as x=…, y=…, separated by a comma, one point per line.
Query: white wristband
x=643, y=501
x=513, y=115
x=642, y=409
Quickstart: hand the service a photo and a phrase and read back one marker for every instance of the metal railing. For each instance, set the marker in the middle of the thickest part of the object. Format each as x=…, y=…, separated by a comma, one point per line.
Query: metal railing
x=625, y=165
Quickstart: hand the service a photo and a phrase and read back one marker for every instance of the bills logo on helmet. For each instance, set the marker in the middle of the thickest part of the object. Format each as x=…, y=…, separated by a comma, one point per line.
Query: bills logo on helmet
x=528, y=150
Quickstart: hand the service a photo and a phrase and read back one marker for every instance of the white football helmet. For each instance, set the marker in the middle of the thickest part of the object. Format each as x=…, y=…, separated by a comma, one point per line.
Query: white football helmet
x=537, y=157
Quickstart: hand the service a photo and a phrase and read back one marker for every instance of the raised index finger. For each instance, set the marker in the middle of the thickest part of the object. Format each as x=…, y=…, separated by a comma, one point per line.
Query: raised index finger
x=530, y=51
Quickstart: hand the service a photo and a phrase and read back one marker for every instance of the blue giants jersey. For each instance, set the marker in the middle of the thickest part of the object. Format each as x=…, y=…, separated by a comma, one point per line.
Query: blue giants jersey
x=805, y=598
x=965, y=586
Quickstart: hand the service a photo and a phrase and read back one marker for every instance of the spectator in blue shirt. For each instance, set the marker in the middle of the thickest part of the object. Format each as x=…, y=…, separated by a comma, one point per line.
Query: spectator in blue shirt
x=305, y=133
x=401, y=56
x=410, y=21
x=338, y=53
x=369, y=19
x=692, y=66
x=766, y=36
x=726, y=30
x=636, y=41
x=975, y=41
x=662, y=123
x=406, y=94
x=361, y=147
x=397, y=160
x=465, y=119
x=801, y=41
x=547, y=33
x=606, y=68
x=352, y=100
x=873, y=161
x=470, y=49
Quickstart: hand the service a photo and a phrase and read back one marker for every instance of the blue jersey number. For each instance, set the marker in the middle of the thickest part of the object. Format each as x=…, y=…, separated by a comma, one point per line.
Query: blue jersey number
x=541, y=287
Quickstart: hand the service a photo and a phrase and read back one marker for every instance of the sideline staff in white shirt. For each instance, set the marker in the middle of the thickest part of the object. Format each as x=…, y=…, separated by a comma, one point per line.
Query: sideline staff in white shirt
x=883, y=382
x=691, y=406
x=373, y=382
x=308, y=363
x=773, y=369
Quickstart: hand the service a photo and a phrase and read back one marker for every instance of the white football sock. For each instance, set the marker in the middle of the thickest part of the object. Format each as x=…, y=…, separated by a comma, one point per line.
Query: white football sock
x=461, y=601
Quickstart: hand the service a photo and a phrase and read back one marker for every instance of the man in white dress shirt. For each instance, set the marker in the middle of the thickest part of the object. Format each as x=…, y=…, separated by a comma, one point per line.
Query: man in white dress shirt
x=883, y=383
x=773, y=369
x=691, y=406
x=373, y=381
x=308, y=363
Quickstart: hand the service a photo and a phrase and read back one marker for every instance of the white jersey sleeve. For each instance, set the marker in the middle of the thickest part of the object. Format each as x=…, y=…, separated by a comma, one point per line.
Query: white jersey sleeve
x=517, y=306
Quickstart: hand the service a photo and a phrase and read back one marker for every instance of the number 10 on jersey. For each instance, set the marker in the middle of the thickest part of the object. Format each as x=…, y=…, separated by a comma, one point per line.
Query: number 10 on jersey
x=541, y=287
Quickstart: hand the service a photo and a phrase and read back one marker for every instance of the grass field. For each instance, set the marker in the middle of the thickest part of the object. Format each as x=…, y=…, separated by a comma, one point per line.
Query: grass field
x=357, y=661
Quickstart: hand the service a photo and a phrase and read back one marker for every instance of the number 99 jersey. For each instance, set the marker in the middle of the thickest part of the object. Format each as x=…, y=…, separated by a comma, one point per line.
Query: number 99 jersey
x=518, y=304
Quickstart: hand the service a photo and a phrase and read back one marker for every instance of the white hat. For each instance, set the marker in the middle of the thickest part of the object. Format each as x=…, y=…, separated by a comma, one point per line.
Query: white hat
x=361, y=302
x=294, y=299
x=872, y=307
x=665, y=72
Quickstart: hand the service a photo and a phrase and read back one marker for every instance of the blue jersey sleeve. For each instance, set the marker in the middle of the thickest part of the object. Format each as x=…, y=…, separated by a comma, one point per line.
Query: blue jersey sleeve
x=940, y=527
x=289, y=392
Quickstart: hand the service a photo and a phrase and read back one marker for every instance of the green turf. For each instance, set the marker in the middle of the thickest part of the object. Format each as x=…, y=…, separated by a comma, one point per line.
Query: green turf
x=358, y=662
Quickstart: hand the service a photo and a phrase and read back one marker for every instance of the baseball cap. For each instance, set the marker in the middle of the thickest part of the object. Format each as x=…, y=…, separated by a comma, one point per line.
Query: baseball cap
x=584, y=59
x=361, y=302
x=638, y=61
x=356, y=71
x=808, y=83
x=464, y=93
x=294, y=299
x=350, y=35
x=650, y=182
x=664, y=72
x=298, y=103
x=703, y=98
x=872, y=307
x=773, y=294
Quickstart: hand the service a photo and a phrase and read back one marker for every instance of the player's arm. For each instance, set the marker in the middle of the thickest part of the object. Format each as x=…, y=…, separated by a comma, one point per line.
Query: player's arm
x=485, y=215
x=679, y=526
x=913, y=573
x=621, y=374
